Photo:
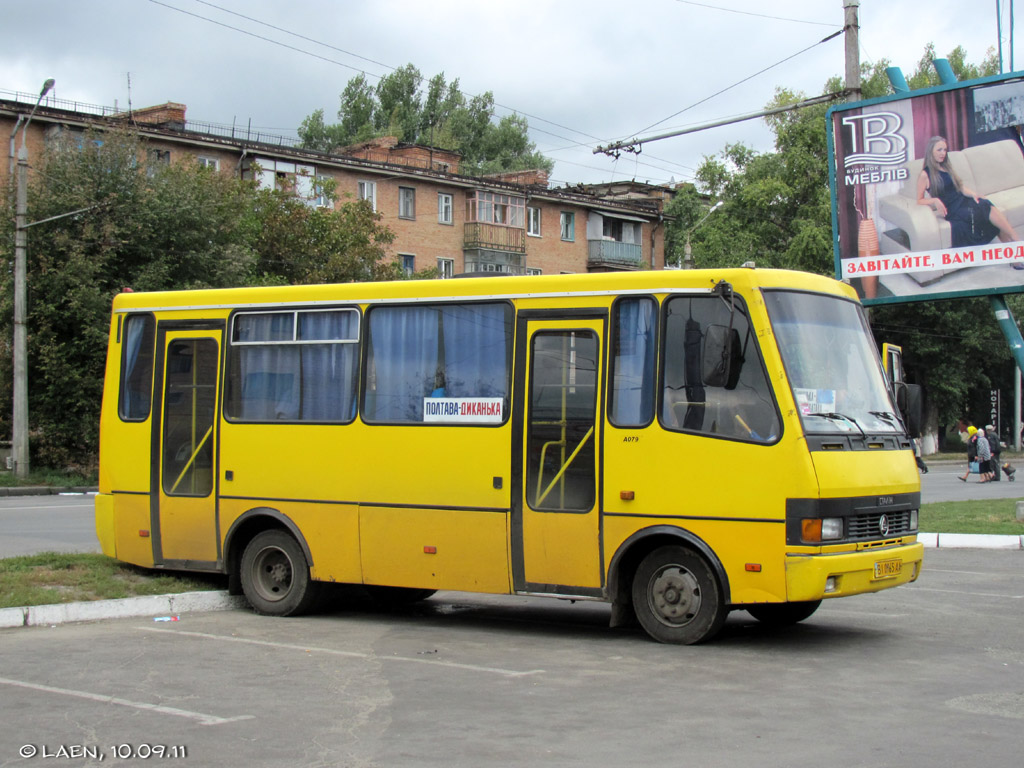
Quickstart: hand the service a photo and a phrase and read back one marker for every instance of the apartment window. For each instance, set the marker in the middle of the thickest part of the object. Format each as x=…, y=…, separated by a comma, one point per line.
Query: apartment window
x=444, y=208
x=157, y=157
x=493, y=208
x=408, y=261
x=445, y=268
x=284, y=176
x=293, y=366
x=568, y=226
x=533, y=221
x=209, y=162
x=368, y=191
x=322, y=197
x=406, y=203
x=533, y=271
x=620, y=231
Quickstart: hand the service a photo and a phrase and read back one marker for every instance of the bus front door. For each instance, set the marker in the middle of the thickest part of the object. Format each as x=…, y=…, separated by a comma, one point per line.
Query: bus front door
x=184, y=513
x=556, y=521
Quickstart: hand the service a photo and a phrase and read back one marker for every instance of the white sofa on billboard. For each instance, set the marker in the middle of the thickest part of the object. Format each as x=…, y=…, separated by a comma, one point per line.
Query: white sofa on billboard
x=994, y=171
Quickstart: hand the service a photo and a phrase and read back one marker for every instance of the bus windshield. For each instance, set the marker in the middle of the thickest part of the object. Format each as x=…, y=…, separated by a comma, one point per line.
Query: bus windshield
x=832, y=364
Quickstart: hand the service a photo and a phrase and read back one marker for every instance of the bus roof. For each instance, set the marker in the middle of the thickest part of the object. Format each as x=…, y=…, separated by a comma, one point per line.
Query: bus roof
x=497, y=287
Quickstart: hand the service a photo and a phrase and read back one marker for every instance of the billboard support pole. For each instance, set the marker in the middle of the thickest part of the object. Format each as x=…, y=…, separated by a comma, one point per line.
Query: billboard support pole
x=1013, y=336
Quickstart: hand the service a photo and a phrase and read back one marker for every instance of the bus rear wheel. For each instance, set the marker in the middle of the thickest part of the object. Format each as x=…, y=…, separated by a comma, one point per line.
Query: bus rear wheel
x=677, y=598
x=783, y=614
x=275, y=575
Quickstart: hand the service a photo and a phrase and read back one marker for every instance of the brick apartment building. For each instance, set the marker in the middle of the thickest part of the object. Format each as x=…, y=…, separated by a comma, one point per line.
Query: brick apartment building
x=511, y=223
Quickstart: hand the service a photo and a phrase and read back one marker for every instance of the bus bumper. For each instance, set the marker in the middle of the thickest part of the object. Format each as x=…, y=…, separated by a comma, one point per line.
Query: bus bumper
x=814, y=577
x=105, y=523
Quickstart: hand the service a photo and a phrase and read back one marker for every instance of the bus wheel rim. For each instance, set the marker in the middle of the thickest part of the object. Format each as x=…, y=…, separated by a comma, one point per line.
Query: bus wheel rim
x=674, y=595
x=272, y=574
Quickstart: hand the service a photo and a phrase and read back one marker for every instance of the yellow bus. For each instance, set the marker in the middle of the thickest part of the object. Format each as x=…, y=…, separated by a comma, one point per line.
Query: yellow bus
x=677, y=443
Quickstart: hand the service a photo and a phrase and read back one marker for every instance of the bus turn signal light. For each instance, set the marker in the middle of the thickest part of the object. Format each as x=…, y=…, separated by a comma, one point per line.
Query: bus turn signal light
x=430, y=550
x=627, y=495
x=144, y=534
x=753, y=567
x=815, y=530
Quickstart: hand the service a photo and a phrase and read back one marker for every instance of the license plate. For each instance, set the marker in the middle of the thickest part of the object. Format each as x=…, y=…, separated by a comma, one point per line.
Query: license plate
x=885, y=569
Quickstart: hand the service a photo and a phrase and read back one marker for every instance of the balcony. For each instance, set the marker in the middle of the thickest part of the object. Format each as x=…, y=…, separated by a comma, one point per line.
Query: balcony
x=494, y=237
x=614, y=255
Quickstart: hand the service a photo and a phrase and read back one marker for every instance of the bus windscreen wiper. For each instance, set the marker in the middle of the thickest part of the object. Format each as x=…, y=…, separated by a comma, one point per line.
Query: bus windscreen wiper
x=885, y=415
x=834, y=416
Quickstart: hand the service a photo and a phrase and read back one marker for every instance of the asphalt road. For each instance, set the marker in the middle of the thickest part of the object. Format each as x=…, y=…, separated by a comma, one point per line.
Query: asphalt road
x=31, y=524
x=924, y=676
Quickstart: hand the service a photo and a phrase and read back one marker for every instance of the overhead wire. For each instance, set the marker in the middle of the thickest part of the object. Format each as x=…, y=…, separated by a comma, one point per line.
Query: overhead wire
x=740, y=82
x=530, y=116
x=752, y=13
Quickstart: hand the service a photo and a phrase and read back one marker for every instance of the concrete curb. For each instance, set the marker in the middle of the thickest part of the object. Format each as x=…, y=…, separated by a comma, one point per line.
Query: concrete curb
x=46, y=490
x=129, y=607
x=971, y=540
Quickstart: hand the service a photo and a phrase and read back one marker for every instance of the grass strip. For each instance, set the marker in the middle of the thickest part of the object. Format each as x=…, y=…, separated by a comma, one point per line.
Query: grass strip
x=980, y=516
x=52, y=577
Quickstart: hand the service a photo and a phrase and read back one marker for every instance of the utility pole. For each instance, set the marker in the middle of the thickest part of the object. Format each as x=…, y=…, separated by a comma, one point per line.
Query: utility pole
x=19, y=420
x=851, y=26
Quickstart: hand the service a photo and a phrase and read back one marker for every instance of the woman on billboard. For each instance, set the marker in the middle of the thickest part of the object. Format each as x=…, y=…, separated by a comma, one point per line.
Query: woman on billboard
x=973, y=220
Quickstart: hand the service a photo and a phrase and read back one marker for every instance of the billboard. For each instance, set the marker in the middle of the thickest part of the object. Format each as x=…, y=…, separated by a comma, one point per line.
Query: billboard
x=928, y=192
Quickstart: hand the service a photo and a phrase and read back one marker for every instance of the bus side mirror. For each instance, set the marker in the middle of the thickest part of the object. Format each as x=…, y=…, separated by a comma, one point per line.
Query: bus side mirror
x=723, y=357
x=900, y=391
x=908, y=401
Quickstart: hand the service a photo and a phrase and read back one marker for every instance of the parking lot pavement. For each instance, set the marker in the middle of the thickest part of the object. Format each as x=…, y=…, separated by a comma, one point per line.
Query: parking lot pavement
x=931, y=674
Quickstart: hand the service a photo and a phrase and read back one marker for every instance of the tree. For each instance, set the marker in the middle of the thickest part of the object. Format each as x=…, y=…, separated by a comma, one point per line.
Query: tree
x=777, y=212
x=441, y=116
x=150, y=226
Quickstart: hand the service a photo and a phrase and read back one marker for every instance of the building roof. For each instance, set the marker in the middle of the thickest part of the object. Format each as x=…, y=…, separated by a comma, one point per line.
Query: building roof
x=381, y=156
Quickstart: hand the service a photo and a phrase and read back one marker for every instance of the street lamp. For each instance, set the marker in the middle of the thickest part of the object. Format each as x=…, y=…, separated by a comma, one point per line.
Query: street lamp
x=19, y=421
x=687, y=255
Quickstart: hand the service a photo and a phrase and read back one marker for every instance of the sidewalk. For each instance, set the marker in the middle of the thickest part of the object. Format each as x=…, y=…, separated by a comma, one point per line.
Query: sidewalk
x=45, y=490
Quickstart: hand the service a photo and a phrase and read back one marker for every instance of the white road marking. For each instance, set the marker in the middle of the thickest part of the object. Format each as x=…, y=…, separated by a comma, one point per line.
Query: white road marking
x=974, y=594
x=350, y=654
x=202, y=718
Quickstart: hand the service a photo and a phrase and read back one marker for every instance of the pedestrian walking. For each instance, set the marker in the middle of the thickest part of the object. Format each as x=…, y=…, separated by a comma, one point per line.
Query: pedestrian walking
x=996, y=447
x=972, y=451
x=984, y=458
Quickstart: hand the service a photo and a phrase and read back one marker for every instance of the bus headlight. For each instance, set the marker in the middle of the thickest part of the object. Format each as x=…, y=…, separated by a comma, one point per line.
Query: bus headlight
x=815, y=530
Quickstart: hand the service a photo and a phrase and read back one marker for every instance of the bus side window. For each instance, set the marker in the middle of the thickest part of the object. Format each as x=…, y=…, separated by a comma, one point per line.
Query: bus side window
x=137, y=367
x=632, y=391
x=294, y=365
x=739, y=407
x=446, y=351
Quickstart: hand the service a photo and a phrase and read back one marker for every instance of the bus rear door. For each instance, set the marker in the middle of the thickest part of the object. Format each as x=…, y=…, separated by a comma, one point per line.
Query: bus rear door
x=184, y=503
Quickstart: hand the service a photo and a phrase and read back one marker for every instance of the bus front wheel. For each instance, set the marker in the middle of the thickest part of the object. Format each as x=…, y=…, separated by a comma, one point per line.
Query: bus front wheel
x=677, y=598
x=275, y=575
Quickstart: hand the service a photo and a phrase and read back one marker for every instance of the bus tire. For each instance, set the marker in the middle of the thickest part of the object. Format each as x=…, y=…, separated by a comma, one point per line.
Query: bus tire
x=782, y=614
x=275, y=575
x=677, y=598
x=394, y=597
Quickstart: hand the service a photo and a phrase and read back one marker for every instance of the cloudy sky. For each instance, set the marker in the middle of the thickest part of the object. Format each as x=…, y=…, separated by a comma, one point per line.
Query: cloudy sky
x=584, y=72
